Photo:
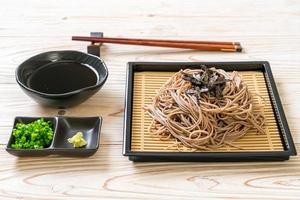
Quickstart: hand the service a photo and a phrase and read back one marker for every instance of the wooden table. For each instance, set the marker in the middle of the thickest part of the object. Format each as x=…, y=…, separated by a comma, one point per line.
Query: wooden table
x=268, y=30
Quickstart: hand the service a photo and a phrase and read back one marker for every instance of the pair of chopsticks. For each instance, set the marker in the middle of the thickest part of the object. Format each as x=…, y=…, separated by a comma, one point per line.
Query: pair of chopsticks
x=185, y=44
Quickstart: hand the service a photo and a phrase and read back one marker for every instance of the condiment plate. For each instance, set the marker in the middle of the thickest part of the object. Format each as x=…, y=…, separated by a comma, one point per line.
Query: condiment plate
x=64, y=128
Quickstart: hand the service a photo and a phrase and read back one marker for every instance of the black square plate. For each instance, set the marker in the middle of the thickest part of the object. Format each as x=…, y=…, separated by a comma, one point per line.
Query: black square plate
x=262, y=66
x=64, y=128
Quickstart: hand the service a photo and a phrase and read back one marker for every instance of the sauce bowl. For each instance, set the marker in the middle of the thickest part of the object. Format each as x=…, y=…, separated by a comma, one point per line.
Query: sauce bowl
x=68, y=85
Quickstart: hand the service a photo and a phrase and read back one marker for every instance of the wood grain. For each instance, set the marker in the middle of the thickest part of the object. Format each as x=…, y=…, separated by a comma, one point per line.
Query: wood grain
x=268, y=30
x=109, y=175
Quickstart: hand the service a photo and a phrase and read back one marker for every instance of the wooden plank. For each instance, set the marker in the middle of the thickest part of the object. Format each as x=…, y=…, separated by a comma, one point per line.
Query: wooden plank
x=109, y=175
x=268, y=30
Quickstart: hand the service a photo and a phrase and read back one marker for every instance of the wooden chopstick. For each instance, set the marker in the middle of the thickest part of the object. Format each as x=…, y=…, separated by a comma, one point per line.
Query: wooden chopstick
x=177, y=41
x=198, y=45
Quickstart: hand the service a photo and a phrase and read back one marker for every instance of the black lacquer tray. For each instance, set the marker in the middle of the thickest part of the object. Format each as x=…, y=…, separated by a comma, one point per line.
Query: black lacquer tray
x=143, y=78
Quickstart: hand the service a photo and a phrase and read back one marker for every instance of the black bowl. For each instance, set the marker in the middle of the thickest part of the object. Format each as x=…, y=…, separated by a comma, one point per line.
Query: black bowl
x=25, y=71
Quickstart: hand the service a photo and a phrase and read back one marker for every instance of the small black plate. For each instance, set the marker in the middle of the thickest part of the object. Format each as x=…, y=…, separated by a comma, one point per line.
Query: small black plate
x=64, y=128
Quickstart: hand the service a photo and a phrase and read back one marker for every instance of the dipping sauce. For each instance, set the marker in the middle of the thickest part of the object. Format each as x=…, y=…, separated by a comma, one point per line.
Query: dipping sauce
x=62, y=77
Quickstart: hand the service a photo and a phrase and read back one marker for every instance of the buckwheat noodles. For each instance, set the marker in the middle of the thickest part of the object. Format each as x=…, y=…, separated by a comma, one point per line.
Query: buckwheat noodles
x=200, y=119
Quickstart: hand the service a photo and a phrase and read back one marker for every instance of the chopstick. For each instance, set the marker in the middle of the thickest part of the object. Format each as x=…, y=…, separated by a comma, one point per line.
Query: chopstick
x=186, y=44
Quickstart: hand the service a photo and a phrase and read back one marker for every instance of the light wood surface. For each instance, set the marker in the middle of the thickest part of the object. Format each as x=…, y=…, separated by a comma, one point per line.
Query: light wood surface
x=268, y=30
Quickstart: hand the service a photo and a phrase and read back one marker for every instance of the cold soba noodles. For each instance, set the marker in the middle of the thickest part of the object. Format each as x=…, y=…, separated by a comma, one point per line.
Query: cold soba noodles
x=204, y=109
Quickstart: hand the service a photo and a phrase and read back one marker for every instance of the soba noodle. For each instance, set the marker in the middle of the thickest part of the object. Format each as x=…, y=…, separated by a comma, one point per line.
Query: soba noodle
x=206, y=120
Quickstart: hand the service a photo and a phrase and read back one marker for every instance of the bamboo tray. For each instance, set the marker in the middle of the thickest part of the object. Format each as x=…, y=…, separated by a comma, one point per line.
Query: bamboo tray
x=145, y=78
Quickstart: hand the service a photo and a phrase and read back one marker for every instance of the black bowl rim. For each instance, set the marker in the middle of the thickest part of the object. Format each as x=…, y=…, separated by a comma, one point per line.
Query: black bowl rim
x=100, y=83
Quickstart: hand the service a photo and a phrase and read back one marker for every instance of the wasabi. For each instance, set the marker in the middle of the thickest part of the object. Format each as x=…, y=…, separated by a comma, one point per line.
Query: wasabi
x=77, y=140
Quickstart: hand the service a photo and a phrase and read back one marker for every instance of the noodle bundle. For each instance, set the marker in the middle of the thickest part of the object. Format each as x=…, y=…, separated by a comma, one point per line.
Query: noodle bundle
x=204, y=109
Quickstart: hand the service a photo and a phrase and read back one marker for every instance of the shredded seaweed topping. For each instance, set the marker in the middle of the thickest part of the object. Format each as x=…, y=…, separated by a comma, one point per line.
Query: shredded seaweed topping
x=209, y=81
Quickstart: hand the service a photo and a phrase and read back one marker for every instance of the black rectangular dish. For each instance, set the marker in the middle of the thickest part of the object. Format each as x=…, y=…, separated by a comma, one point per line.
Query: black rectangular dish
x=64, y=128
x=284, y=141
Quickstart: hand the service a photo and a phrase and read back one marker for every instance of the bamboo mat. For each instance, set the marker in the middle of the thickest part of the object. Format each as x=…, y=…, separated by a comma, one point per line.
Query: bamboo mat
x=145, y=86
